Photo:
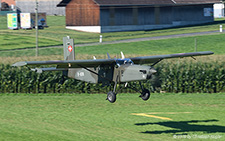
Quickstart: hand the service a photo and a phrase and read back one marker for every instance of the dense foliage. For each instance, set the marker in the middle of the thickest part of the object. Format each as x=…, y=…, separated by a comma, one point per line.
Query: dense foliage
x=193, y=77
x=182, y=77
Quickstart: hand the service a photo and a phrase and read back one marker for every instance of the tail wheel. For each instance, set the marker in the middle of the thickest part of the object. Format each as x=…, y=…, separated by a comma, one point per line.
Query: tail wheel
x=111, y=97
x=145, y=95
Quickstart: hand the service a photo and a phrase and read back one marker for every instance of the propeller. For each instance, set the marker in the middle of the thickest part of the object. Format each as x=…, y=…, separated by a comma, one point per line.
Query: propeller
x=151, y=72
x=108, y=56
x=122, y=55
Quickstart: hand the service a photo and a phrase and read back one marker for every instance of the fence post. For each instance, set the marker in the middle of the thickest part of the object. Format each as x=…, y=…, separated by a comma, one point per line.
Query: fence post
x=221, y=28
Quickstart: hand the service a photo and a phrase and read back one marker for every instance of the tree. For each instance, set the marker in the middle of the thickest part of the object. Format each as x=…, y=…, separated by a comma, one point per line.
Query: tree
x=5, y=7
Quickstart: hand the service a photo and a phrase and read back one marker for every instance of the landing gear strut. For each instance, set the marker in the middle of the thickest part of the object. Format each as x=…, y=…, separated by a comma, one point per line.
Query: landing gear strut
x=111, y=95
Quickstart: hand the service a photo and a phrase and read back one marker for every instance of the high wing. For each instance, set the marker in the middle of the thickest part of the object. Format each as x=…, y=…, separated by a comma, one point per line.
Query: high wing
x=67, y=63
x=157, y=58
x=94, y=63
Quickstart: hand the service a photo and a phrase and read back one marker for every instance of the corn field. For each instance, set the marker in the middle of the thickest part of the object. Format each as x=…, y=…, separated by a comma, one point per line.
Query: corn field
x=193, y=77
x=183, y=77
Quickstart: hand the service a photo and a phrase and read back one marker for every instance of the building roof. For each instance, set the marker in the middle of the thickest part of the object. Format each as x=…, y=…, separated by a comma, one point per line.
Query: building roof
x=63, y=3
x=133, y=2
x=144, y=2
x=9, y=2
x=197, y=1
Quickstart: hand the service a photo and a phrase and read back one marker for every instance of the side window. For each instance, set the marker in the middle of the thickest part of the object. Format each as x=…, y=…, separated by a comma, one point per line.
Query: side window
x=122, y=73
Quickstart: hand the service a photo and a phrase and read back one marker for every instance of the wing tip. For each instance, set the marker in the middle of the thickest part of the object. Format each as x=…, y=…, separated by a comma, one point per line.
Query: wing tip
x=210, y=52
x=206, y=53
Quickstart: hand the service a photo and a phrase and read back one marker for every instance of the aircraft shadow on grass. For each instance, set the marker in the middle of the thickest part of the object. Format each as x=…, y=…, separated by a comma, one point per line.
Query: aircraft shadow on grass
x=185, y=126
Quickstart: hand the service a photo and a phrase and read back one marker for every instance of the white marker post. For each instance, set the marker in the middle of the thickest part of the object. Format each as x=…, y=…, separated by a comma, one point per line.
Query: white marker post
x=221, y=28
x=100, y=39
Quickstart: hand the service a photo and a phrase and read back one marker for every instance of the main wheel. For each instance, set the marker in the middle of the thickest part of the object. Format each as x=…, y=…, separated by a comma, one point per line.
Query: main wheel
x=145, y=94
x=111, y=96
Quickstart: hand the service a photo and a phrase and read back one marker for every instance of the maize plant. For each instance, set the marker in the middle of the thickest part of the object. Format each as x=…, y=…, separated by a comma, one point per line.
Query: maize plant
x=183, y=77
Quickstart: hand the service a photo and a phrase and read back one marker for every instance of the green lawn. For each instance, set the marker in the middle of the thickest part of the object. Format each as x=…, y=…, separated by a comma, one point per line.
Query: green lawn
x=12, y=39
x=215, y=43
x=91, y=117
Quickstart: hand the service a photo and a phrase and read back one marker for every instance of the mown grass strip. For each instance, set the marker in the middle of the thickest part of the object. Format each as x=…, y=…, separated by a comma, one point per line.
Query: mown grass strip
x=90, y=117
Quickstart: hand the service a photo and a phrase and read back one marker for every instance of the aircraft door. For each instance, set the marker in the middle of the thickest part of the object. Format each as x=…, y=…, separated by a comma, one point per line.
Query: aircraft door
x=105, y=74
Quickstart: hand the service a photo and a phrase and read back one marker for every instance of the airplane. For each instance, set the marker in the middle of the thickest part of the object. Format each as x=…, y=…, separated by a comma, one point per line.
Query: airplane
x=107, y=71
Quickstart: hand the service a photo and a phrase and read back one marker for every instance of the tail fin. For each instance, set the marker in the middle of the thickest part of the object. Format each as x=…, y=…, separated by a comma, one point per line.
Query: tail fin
x=69, y=49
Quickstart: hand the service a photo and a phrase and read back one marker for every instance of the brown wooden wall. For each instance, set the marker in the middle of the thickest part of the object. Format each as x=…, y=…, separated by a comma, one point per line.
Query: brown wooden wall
x=82, y=13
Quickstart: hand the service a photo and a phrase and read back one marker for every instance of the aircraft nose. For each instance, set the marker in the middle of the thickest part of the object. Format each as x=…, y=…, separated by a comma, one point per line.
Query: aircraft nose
x=151, y=71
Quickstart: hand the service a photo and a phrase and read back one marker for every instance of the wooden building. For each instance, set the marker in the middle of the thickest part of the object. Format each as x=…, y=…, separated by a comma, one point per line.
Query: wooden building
x=127, y=15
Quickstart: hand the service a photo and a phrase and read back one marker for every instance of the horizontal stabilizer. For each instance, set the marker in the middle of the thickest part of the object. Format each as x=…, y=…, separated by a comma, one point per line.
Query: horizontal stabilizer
x=40, y=70
x=19, y=64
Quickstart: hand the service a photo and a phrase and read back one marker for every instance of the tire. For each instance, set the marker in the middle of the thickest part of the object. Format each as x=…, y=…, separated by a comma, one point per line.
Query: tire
x=145, y=95
x=111, y=97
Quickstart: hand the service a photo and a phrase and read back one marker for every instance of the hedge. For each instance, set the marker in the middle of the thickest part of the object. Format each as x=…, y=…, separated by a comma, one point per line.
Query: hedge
x=185, y=77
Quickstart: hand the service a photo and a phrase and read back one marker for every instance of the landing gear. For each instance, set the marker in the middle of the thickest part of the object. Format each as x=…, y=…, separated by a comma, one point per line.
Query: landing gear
x=111, y=97
x=145, y=94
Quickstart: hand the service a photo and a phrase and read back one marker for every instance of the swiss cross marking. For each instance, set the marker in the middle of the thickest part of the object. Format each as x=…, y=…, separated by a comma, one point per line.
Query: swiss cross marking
x=70, y=48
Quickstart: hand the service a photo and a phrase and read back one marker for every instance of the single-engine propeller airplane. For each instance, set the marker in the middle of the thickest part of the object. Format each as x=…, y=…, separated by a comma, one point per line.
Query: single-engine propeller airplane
x=106, y=71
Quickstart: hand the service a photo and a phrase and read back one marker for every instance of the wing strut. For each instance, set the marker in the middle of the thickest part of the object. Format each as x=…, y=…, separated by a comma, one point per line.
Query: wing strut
x=193, y=57
x=156, y=62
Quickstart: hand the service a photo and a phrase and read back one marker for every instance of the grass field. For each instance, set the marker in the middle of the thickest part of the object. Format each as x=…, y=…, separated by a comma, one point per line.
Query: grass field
x=15, y=39
x=213, y=43
x=11, y=39
x=91, y=117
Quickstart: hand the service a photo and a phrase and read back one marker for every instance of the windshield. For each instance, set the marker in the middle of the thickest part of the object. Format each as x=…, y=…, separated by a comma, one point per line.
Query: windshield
x=124, y=61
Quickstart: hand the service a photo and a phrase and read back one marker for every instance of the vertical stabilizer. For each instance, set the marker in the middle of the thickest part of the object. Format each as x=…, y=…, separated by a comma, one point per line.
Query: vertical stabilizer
x=69, y=49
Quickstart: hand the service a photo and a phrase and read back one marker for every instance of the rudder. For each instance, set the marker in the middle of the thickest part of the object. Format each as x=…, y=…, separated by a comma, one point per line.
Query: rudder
x=69, y=49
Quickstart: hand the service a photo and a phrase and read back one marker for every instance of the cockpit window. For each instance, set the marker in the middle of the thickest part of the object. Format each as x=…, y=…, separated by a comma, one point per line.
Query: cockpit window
x=120, y=62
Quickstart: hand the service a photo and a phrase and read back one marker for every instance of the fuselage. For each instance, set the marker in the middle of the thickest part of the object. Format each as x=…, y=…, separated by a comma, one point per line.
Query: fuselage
x=123, y=70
